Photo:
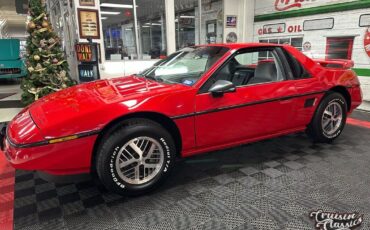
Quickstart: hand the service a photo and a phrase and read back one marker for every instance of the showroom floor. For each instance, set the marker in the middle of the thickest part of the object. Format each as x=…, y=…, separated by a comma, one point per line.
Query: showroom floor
x=273, y=184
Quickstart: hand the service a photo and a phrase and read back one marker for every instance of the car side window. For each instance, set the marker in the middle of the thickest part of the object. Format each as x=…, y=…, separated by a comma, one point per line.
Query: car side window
x=249, y=68
x=298, y=71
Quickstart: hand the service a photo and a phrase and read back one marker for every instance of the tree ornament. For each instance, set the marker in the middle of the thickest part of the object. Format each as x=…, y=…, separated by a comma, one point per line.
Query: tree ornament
x=64, y=86
x=30, y=69
x=51, y=40
x=43, y=43
x=55, y=61
x=45, y=24
x=63, y=73
x=38, y=66
x=36, y=57
x=31, y=25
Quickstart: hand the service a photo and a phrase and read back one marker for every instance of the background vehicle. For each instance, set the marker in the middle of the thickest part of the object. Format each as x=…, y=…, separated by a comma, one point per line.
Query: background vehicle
x=11, y=64
x=130, y=130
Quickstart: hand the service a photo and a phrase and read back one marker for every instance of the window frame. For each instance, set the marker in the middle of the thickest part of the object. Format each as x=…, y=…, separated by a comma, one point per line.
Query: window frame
x=281, y=61
x=304, y=73
x=329, y=40
x=319, y=19
x=359, y=20
x=269, y=39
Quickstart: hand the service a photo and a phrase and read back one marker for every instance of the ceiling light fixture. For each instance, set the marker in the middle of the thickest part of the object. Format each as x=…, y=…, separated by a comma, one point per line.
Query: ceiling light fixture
x=103, y=18
x=113, y=5
x=109, y=12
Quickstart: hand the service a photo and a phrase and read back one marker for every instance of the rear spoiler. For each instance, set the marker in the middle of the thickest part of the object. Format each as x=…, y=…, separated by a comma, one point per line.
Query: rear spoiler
x=336, y=63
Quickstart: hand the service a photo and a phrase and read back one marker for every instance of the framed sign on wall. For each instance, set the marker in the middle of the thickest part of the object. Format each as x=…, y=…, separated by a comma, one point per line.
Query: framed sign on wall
x=88, y=23
x=87, y=2
x=231, y=21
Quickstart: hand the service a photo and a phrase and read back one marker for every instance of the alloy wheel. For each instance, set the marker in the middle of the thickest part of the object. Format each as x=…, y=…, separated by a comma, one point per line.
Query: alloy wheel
x=139, y=160
x=332, y=118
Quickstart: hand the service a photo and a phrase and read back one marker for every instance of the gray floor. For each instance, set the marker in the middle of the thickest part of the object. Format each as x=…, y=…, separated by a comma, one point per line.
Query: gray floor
x=273, y=184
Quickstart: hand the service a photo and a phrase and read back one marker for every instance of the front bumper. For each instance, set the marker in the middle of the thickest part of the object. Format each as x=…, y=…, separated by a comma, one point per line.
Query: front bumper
x=65, y=158
x=12, y=76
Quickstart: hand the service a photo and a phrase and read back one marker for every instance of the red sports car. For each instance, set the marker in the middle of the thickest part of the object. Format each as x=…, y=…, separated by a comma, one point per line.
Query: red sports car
x=128, y=131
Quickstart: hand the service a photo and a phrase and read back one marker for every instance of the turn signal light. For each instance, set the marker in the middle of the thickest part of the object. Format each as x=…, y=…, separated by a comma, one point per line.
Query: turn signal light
x=62, y=139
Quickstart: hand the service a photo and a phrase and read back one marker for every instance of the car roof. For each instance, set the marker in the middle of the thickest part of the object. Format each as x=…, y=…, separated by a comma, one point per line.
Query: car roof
x=242, y=45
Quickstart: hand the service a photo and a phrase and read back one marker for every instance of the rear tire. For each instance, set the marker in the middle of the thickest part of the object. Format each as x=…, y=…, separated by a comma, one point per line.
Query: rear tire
x=135, y=158
x=329, y=119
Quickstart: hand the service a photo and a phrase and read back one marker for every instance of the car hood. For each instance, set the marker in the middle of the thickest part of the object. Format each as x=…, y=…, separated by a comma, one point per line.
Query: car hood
x=86, y=107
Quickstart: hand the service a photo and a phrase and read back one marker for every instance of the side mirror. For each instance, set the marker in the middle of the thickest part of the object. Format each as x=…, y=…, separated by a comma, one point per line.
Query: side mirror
x=221, y=86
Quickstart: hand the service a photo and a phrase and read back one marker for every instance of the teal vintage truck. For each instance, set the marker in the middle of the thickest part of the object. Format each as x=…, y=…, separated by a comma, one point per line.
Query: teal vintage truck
x=11, y=64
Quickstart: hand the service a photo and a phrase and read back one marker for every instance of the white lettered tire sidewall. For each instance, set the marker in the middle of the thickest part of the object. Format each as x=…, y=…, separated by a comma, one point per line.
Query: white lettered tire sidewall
x=108, y=154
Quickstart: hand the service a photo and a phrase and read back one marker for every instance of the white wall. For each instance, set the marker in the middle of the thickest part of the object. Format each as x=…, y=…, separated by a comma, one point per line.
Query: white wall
x=115, y=69
x=345, y=24
x=244, y=10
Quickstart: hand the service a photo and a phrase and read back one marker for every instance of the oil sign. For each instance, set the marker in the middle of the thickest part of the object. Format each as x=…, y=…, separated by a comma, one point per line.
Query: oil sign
x=367, y=41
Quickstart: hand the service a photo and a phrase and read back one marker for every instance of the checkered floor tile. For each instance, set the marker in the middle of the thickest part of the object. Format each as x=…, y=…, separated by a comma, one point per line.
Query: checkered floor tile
x=273, y=184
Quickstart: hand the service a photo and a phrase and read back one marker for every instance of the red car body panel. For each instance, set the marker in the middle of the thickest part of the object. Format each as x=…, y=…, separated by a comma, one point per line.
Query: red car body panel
x=86, y=109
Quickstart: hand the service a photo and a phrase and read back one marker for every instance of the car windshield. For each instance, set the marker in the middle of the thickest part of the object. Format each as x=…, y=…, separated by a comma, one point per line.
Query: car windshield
x=185, y=66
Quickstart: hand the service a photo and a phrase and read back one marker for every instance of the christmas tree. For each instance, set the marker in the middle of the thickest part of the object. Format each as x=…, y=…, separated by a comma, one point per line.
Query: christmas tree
x=46, y=64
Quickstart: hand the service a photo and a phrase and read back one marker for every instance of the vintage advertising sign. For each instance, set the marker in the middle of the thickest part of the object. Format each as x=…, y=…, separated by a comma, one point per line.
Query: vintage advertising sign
x=367, y=41
x=272, y=29
x=279, y=28
x=273, y=6
x=89, y=26
x=87, y=2
x=231, y=21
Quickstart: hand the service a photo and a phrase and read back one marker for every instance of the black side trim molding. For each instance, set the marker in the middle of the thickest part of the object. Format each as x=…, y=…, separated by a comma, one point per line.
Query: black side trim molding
x=247, y=104
x=47, y=142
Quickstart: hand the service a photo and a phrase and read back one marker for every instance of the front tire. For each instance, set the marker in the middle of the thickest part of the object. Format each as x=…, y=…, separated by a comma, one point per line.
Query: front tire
x=329, y=119
x=135, y=158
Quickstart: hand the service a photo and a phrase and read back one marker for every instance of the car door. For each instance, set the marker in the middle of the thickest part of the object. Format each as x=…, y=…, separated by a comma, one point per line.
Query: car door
x=262, y=104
